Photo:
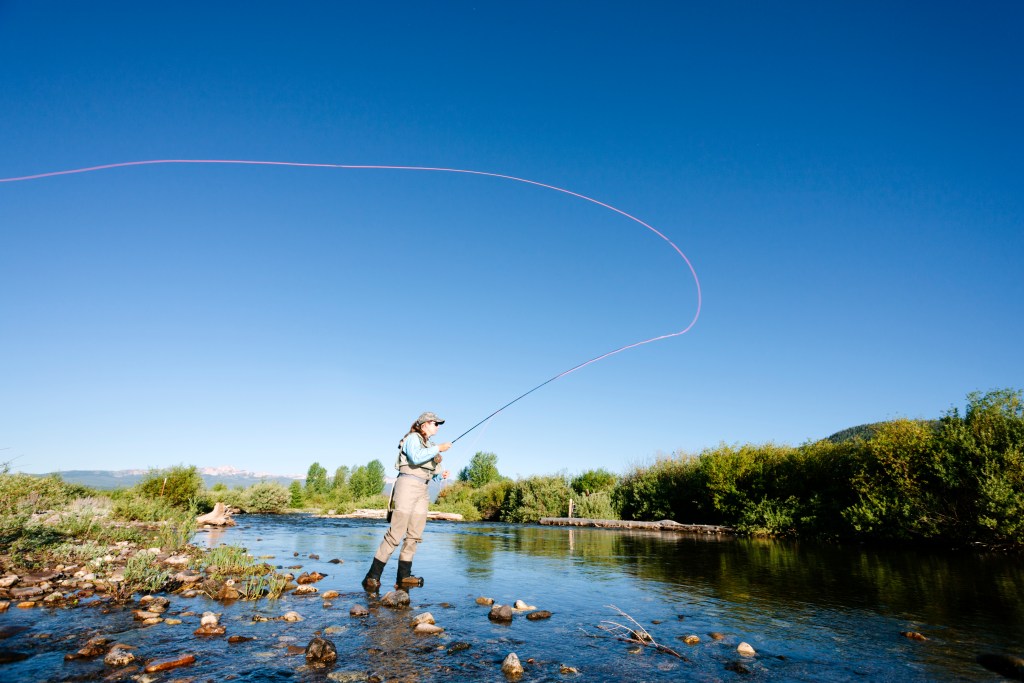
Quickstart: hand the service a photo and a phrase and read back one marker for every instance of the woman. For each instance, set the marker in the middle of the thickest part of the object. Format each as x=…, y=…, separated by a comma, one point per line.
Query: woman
x=418, y=458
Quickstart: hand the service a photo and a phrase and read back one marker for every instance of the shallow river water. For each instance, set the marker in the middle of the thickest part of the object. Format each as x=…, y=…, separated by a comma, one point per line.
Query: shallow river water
x=811, y=613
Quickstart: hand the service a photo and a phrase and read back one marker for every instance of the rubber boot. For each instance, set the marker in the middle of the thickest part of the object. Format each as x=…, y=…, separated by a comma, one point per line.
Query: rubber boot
x=405, y=578
x=371, y=581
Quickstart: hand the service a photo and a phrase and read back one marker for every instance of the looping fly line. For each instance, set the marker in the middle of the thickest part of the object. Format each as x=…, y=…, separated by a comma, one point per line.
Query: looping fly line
x=249, y=162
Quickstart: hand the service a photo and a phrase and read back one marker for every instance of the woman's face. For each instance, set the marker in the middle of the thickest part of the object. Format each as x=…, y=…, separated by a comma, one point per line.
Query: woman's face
x=428, y=429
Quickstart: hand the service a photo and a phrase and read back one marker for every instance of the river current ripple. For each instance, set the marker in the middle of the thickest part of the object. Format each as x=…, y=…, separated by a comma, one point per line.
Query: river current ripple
x=811, y=612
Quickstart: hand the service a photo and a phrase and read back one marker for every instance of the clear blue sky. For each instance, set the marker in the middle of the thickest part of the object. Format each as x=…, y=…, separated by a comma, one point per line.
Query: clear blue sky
x=845, y=177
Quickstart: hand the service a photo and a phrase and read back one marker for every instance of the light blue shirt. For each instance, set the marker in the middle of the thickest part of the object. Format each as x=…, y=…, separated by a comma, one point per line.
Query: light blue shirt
x=416, y=453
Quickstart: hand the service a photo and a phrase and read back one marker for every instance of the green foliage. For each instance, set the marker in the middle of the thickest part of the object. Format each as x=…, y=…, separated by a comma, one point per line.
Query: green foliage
x=340, y=479
x=530, y=499
x=269, y=497
x=131, y=506
x=481, y=470
x=178, y=485
x=595, y=506
x=143, y=573
x=487, y=500
x=594, y=481
x=316, y=480
x=367, y=480
x=296, y=499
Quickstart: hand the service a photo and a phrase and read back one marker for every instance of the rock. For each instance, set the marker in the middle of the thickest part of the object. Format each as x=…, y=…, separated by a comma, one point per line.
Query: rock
x=142, y=615
x=152, y=621
x=215, y=630
x=330, y=630
x=538, y=615
x=314, y=556
x=690, y=639
x=348, y=676
x=26, y=592
x=912, y=635
x=424, y=618
x=484, y=601
x=500, y=613
x=94, y=648
x=395, y=599
x=187, y=576
x=9, y=657
x=745, y=649
x=177, y=561
x=219, y=516
x=511, y=667
x=458, y=646
x=564, y=669
x=259, y=617
x=172, y=621
x=321, y=651
x=520, y=605
x=291, y=616
x=26, y=605
x=1004, y=665
x=227, y=592
x=358, y=611
x=428, y=629
x=209, y=619
x=331, y=595
x=53, y=598
x=8, y=580
x=336, y=561
x=119, y=655
x=4, y=604
x=715, y=635
x=170, y=664
x=234, y=640
x=305, y=590
x=154, y=603
x=310, y=577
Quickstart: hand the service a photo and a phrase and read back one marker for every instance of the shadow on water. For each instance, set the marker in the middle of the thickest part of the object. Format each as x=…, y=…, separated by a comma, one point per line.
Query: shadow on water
x=812, y=613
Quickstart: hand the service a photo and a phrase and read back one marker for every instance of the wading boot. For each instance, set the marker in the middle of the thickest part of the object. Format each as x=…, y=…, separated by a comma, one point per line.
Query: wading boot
x=371, y=582
x=405, y=578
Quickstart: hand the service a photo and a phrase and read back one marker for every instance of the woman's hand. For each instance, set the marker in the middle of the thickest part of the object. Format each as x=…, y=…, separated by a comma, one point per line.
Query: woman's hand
x=445, y=446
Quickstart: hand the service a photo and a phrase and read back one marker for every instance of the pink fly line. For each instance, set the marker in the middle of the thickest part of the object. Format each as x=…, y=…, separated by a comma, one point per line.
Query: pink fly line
x=250, y=162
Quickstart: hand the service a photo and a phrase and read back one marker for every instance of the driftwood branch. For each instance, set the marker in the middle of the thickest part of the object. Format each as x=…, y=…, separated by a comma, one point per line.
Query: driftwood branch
x=635, y=634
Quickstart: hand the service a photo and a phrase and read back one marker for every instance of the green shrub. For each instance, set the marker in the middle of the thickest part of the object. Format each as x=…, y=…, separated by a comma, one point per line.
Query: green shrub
x=594, y=481
x=595, y=506
x=266, y=496
x=178, y=485
x=481, y=470
x=530, y=499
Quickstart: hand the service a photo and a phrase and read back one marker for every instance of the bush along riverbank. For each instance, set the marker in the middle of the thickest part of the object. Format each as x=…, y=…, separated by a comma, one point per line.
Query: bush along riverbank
x=957, y=480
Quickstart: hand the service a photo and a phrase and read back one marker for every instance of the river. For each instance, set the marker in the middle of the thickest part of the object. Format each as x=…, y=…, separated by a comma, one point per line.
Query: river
x=810, y=612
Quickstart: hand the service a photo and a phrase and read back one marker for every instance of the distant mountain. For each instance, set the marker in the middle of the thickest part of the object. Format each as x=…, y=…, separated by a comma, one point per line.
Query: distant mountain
x=118, y=479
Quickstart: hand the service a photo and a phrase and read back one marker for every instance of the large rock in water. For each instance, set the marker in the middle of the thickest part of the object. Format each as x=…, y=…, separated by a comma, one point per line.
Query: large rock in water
x=219, y=516
x=321, y=651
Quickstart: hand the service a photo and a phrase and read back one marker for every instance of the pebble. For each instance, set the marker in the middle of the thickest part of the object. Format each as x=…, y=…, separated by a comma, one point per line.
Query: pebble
x=484, y=601
x=458, y=646
x=520, y=605
x=564, y=669
x=305, y=590
x=358, y=611
x=170, y=664
x=321, y=651
x=172, y=621
x=424, y=618
x=690, y=639
x=330, y=595
x=500, y=613
x=348, y=676
x=291, y=616
x=512, y=667
x=745, y=649
x=538, y=615
x=119, y=655
x=397, y=598
x=913, y=635
x=240, y=639
x=428, y=629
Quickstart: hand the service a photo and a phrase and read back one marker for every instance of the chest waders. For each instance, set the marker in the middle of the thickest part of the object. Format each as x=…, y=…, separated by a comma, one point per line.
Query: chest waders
x=407, y=515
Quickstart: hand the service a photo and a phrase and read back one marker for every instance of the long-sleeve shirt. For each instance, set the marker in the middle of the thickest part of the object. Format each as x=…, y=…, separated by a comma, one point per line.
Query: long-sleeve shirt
x=417, y=458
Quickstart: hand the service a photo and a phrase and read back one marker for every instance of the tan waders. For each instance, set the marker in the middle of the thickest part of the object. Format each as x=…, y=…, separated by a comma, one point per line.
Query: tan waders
x=408, y=520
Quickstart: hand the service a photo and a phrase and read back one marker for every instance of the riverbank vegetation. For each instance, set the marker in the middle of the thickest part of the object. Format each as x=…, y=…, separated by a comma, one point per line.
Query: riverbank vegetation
x=958, y=479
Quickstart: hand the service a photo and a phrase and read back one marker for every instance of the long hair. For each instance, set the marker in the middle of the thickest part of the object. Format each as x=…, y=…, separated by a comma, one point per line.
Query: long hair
x=414, y=429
